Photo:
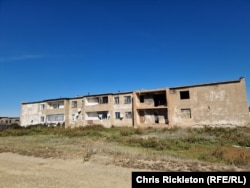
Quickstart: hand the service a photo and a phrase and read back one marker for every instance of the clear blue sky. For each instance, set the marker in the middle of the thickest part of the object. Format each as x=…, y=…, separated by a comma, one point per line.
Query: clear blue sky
x=51, y=48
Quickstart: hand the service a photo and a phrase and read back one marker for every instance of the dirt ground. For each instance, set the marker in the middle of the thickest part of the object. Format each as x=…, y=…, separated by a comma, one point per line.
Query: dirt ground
x=19, y=171
x=29, y=172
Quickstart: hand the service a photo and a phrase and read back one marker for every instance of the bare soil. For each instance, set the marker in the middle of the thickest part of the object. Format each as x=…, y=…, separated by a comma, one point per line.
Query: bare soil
x=29, y=172
x=99, y=171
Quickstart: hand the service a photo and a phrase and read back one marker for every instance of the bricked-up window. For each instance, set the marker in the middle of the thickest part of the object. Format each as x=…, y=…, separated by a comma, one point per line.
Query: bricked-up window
x=184, y=95
x=128, y=115
x=186, y=113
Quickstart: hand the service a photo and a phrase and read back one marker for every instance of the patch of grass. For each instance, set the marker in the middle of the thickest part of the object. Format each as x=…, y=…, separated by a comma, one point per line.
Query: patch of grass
x=208, y=144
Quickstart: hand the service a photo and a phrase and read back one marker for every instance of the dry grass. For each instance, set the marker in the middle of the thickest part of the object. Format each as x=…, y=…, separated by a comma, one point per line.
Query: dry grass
x=154, y=149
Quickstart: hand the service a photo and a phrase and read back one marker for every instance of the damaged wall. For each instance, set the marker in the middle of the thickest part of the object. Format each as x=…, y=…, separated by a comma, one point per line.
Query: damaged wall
x=211, y=104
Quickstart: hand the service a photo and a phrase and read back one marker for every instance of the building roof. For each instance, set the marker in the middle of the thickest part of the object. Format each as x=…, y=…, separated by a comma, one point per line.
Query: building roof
x=78, y=97
x=47, y=100
x=208, y=84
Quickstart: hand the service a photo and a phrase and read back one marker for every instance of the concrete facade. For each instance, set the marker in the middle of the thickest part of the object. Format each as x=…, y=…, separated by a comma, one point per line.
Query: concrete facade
x=215, y=104
x=106, y=109
x=223, y=103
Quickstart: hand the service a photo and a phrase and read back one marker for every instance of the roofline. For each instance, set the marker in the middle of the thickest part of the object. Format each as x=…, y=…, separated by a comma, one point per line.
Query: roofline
x=151, y=90
x=208, y=84
x=78, y=97
x=47, y=100
x=9, y=117
x=117, y=93
x=138, y=91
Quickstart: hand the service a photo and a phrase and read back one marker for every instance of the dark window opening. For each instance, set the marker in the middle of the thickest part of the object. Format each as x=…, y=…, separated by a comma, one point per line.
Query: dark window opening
x=103, y=100
x=156, y=117
x=184, y=95
x=103, y=115
x=160, y=100
x=141, y=98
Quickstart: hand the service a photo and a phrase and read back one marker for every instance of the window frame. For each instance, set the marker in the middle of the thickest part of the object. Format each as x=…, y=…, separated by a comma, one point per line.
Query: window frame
x=184, y=95
x=127, y=99
x=117, y=115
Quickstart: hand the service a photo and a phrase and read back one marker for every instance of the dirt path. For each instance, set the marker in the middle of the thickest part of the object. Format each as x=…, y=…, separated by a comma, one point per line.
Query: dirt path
x=29, y=172
x=19, y=171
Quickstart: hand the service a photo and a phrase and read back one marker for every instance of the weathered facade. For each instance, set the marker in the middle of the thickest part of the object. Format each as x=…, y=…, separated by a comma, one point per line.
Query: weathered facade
x=9, y=120
x=216, y=104
x=106, y=109
x=223, y=103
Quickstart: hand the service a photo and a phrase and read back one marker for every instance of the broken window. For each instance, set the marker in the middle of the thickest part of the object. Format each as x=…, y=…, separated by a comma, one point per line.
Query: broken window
x=186, y=113
x=184, y=95
x=127, y=99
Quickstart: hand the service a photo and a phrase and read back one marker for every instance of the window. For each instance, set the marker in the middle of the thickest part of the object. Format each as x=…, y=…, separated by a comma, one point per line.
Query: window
x=55, y=117
x=117, y=100
x=103, y=115
x=42, y=106
x=127, y=99
x=128, y=115
x=184, y=95
x=74, y=117
x=186, y=113
x=117, y=115
x=57, y=105
x=42, y=119
x=103, y=100
x=141, y=98
x=74, y=104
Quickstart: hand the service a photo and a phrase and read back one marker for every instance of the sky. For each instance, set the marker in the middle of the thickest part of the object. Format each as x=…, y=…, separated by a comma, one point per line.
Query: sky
x=51, y=49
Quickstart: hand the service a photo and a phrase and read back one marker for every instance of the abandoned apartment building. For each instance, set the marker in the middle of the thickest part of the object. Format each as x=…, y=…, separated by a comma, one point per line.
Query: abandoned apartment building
x=217, y=104
x=9, y=120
